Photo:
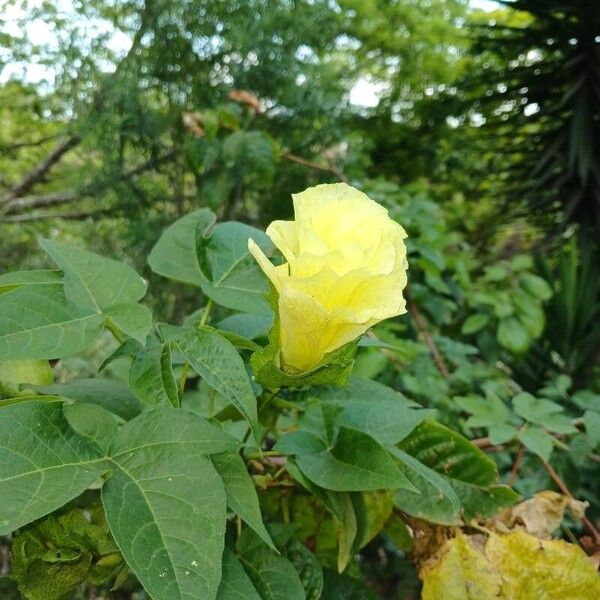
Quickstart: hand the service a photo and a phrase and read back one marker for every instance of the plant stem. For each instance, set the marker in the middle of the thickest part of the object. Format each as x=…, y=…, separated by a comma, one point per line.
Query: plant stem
x=516, y=465
x=117, y=333
x=206, y=312
x=259, y=455
x=562, y=486
x=421, y=324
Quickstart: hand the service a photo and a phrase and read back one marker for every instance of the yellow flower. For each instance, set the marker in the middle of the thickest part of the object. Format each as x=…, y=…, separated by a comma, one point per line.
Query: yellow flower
x=345, y=272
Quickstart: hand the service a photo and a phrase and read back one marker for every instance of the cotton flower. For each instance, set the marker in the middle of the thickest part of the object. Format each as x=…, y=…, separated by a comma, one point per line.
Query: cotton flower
x=345, y=271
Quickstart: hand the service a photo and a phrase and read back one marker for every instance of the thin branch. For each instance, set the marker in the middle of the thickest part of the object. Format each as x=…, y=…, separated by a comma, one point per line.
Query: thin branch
x=516, y=465
x=331, y=168
x=51, y=199
x=40, y=216
x=421, y=324
x=32, y=144
x=19, y=205
x=41, y=169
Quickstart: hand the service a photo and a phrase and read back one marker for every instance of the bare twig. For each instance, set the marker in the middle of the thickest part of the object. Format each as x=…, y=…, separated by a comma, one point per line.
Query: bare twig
x=41, y=169
x=421, y=324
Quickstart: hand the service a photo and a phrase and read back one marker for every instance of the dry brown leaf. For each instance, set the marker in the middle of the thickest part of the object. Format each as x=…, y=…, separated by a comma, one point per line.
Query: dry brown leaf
x=540, y=516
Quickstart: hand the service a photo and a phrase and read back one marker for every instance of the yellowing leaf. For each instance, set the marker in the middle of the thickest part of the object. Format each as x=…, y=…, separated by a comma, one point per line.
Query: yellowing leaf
x=461, y=573
x=35, y=372
x=510, y=567
x=535, y=569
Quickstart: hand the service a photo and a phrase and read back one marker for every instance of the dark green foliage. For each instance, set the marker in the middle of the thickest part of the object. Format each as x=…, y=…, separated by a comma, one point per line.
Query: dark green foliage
x=539, y=92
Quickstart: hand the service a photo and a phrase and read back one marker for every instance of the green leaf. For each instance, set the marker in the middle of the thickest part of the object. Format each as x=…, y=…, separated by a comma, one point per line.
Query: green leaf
x=449, y=453
x=151, y=375
x=241, y=494
x=93, y=422
x=347, y=530
x=502, y=433
x=387, y=421
x=174, y=255
x=531, y=316
x=538, y=441
x=373, y=509
x=535, y=285
x=469, y=470
x=165, y=503
x=434, y=498
x=232, y=277
x=248, y=325
x=542, y=412
x=496, y=273
x=532, y=409
x=359, y=389
x=216, y=360
x=273, y=576
x=239, y=341
x=591, y=420
x=37, y=322
x=235, y=583
x=342, y=587
x=483, y=502
x=397, y=530
x=333, y=501
x=475, y=323
x=488, y=411
x=10, y=281
x=307, y=566
x=134, y=319
x=44, y=462
x=93, y=282
x=587, y=400
x=112, y=395
x=513, y=335
x=355, y=463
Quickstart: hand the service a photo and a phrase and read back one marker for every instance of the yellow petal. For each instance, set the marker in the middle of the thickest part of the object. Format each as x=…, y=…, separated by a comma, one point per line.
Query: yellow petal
x=284, y=236
x=274, y=273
